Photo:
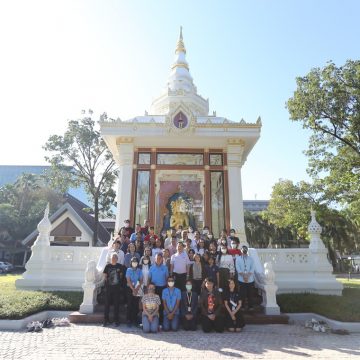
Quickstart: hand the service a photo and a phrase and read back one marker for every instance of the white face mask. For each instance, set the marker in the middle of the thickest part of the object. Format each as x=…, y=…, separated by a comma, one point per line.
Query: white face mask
x=210, y=236
x=191, y=230
x=188, y=287
x=145, y=262
x=171, y=284
x=205, y=232
x=232, y=234
x=223, y=242
x=233, y=246
x=134, y=264
x=224, y=251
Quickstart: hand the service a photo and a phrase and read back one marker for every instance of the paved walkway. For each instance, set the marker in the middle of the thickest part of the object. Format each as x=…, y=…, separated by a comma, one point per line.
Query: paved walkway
x=95, y=342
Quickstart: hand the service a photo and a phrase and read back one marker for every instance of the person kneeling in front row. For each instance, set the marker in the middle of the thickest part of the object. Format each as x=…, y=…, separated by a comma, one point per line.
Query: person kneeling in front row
x=189, y=303
x=171, y=297
x=211, y=308
x=150, y=315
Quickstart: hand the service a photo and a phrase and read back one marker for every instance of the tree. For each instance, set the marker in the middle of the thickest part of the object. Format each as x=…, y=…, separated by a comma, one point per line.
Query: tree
x=290, y=206
x=22, y=206
x=85, y=158
x=327, y=101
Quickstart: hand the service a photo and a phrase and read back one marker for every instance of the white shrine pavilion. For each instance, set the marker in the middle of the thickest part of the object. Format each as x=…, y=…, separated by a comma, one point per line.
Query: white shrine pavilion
x=178, y=165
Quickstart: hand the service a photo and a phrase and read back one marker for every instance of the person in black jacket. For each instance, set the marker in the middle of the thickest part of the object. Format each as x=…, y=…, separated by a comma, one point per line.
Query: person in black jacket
x=188, y=307
x=114, y=284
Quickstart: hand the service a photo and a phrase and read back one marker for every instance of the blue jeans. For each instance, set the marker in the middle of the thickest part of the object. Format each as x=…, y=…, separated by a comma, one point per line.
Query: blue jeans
x=150, y=326
x=171, y=324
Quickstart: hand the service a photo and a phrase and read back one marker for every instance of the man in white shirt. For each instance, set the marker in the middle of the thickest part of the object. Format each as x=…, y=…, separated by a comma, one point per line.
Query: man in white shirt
x=116, y=250
x=168, y=240
x=179, y=266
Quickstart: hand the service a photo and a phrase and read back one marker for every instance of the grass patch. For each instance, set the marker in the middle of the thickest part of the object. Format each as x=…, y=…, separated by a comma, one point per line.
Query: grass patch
x=342, y=308
x=17, y=304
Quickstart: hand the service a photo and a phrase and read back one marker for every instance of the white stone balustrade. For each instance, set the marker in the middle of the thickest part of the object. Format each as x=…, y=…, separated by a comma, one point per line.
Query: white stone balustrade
x=55, y=267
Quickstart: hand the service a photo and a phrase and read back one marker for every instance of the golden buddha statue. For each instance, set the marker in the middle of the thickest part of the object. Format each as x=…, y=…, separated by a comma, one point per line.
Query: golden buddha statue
x=179, y=215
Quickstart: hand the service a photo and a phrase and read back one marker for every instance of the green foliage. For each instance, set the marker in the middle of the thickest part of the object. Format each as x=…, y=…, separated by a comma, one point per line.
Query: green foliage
x=22, y=206
x=82, y=149
x=17, y=304
x=327, y=101
x=342, y=308
x=290, y=206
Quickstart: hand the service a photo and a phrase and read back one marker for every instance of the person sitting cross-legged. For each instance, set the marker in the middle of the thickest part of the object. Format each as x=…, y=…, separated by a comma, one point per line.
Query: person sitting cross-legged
x=150, y=315
x=171, y=297
x=211, y=308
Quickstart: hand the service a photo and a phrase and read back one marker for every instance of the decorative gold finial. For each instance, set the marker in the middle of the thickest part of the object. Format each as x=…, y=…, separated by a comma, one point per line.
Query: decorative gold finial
x=180, y=47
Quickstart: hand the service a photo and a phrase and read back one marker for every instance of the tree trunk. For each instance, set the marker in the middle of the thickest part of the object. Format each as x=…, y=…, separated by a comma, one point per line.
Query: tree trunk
x=96, y=220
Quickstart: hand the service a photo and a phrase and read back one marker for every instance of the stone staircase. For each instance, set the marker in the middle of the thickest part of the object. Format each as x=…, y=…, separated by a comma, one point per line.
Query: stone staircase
x=256, y=316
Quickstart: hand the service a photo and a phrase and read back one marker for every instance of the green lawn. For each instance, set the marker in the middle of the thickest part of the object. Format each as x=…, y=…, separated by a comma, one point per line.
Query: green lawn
x=17, y=304
x=342, y=308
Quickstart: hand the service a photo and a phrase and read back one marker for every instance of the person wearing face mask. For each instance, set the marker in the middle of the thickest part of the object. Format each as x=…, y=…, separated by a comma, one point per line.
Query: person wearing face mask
x=171, y=297
x=245, y=268
x=130, y=254
x=188, y=307
x=226, y=267
x=222, y=242
x=232, y=237
x=150, y=315
x=115, y=249
x=159, y=274
x=145, y=269
x=234, y=251
x=134, y=282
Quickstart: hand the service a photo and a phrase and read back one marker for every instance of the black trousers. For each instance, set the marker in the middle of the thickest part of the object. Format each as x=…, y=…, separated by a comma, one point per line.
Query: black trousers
x=112, y=296
x=197, y=286
x=210, y=325
x=158, y=291
x=246, y=290
x=237, y=323
x=132, y=307
x=180, y=281
x=189, y=324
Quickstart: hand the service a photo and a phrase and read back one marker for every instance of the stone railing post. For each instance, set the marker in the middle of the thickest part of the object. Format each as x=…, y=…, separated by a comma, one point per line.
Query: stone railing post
x=93, y=280
x=269, y=290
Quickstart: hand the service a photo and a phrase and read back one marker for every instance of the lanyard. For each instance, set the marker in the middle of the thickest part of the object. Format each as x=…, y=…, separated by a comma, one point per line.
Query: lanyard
x=189, y=298
x=244, y=263
x=171, y=297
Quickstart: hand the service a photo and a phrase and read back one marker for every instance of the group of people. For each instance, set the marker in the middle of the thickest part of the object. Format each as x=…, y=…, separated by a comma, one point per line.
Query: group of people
x=182, y=277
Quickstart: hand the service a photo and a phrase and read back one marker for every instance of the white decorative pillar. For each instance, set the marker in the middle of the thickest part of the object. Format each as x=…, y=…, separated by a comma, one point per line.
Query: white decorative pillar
x=35, y=274
x=235, y=150
x=125, y=149
x=315, y=231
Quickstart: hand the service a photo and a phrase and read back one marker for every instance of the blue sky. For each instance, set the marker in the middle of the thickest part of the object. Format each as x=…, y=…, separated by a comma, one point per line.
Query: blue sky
x=58, y=58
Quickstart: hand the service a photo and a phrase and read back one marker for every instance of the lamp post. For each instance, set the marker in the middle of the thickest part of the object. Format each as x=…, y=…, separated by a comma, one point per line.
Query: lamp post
x=349, y=258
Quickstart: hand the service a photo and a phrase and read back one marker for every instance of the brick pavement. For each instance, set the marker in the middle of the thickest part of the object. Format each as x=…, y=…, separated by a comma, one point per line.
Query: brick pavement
x=93, y=342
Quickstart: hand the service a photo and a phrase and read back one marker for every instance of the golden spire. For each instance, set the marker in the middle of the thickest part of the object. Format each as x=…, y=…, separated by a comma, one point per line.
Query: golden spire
x=180, y=47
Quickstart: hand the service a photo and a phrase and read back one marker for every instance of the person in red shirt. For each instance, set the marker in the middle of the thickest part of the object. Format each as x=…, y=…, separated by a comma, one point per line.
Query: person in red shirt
x=234, y=249
x=151, y=234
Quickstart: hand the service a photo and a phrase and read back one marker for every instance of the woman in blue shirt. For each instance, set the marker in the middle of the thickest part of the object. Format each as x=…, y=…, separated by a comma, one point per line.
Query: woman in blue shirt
x=171, y=297
x=134, y=282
